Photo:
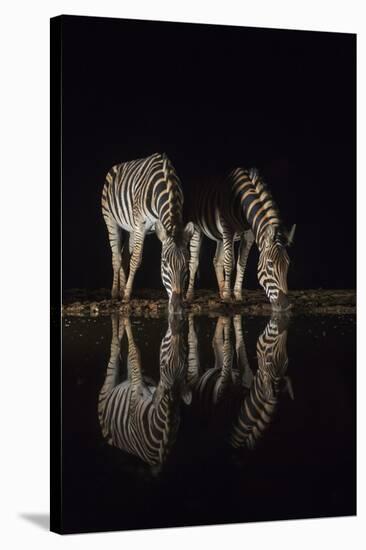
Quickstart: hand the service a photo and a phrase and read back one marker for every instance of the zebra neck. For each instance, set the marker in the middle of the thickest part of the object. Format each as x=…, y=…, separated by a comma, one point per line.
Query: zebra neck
x=252, y=203
x=168, y=207
x=165, y=415
x=165, y=195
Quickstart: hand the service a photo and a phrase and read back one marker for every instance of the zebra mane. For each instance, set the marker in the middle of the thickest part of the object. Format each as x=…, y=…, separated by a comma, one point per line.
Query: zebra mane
x=264, y=193
x=260, y=195
x=174, y=225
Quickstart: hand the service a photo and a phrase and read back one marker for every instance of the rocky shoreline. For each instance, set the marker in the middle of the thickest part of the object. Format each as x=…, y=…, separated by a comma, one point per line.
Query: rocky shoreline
x=153, y=303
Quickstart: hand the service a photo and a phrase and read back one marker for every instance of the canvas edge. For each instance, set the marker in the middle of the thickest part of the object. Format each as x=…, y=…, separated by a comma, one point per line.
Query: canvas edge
x=55, y=274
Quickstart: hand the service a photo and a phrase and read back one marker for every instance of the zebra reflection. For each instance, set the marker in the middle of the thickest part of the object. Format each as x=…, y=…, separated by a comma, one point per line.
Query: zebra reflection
x=136, y=415
x=214, y=386
x=251, y=399
x=258, y=408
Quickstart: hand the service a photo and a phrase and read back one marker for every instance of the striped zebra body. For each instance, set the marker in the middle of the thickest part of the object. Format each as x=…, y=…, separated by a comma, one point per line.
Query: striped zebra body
x=241, y=208
x=260, y=404
x=140, y=197
x=136, y=416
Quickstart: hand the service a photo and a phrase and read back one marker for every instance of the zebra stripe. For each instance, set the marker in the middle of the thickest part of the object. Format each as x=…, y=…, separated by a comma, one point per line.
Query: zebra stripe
x=241, y=208
x=136, y=415
x=140, y=197
x=259, y=406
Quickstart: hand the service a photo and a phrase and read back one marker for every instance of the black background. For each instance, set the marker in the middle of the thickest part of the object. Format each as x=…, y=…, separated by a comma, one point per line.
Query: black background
x=212, y=98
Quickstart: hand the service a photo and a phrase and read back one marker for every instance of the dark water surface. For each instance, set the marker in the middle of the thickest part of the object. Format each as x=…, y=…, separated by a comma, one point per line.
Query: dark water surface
x=292, y=459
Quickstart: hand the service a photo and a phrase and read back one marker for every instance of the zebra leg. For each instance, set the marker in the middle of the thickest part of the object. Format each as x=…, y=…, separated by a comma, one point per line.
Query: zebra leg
x=228, y=243
x=136, y=248
x=125, y=262
x=116, y=242
x=225, y=357
x=194, y=249
x=245, y=245
x=241, y=353
x=193, y=372
x=218, y=263
x=112, y=374
x=218, y=342
x=227, y=350
x=133, y=365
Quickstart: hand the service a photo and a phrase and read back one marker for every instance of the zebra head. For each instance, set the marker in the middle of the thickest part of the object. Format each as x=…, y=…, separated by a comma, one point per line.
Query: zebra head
x=174, y=263
x=272, y=357
x=260, y=404
x=173, y=363
x=273, y=265
x=173, y=352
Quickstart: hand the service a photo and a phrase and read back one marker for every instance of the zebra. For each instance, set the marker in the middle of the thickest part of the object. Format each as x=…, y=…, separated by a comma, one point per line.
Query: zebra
x=257, y=410
x=241, y=208
x=140, y=197
x=136, y=415
x=251, y=400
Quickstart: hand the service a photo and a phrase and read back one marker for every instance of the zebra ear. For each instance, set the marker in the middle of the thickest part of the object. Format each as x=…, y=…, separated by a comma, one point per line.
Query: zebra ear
x=289, y=388
x=290, y=235
x=188, y=231
x=254, y=174
x=160, y=231
x=186, y=395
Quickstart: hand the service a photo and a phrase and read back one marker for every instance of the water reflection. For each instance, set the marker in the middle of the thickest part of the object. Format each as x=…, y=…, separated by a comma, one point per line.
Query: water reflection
x=229, y=392
x=135, y=414
x=213, y=385
x=142, y=417
x=232, y=374
x=259, y=405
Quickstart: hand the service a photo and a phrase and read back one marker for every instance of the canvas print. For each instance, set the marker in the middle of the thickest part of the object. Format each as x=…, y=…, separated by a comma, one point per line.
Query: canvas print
x=203, y=325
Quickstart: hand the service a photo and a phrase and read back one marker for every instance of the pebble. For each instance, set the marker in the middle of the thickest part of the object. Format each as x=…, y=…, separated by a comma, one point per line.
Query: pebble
x=207, y=302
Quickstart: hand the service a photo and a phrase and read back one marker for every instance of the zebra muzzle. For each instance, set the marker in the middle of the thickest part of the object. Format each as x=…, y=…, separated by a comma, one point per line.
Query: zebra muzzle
x=282, y=303
x=175, y=303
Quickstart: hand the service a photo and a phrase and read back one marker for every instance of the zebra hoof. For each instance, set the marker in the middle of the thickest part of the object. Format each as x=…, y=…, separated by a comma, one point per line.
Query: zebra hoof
x=189, y=296
x=238, y=297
